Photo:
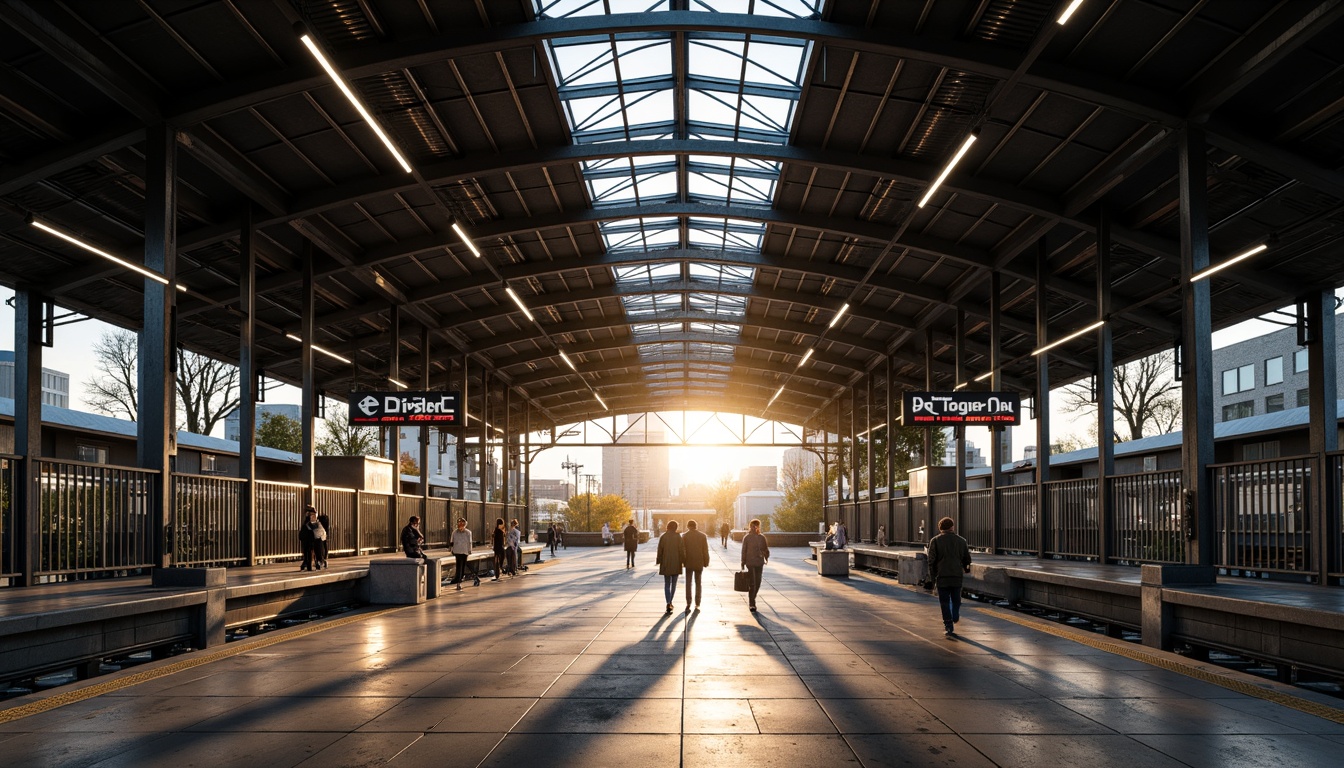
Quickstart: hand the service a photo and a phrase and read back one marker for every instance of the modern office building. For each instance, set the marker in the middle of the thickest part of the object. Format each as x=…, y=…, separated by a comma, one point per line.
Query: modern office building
x=758, y=479
x=636, y=471
x=1265, y=374
x=55, y=384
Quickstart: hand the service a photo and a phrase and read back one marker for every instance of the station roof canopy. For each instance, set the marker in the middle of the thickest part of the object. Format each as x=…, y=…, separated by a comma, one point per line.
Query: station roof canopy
x=704, y=204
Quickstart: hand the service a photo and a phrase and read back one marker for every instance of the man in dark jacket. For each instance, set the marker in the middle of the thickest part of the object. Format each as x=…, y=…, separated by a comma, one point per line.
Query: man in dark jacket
x=949, y=559
x=412, y=540
x=697, y=558
x=631, y=536
x=724, y=530
x=671, y=555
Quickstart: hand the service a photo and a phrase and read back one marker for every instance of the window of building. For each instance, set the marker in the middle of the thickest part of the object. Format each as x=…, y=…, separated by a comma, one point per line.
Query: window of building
x=1238, y=410
x=1274, y=371
x=1300, y=361
x=1238, y=379
x=1260, y=451
x=1274, y=403
x=1149, y=463
x=1303, y=398
x=94, y=454
x=209, y=463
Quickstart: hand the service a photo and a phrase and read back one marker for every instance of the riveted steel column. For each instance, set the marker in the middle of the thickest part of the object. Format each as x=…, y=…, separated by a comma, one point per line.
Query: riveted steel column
x=27, y=510
x=959, y=432
x=1105, y=391
x=853, y=516
x=891, y=453
x=247, y=384
x=394, y=372
x=462, y=430
x=308, y=398
x=1196, y=351
x=506, y=452
x=156, y=404
x=1323, y=434
x=928, y=386
x=996, y=377
x=872, y=475
x=483, y=466
x=1042, y=398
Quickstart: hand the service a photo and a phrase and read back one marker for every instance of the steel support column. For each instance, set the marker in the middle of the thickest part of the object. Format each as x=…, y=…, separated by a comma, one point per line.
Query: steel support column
x=1322, y=432
x=927, y=448
x=506, y=452
x=308, y=398
x=1196, y=350
x=853, y=457
x=959, y=433
x=424, y=429
x=483, y=466
x=156, y=409
x=27, y=508
x=1042, y=398
x=872, y=476
x=393, y=434
x=1105, y=391
x=995, y=384
x=247, y=384
x=891, y=453
x=462, y=430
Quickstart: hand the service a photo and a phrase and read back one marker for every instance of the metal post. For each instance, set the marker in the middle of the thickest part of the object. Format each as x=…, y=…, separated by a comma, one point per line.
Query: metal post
x=462, y=432
x=424, y=428
x=506, y=452
x=891, y=453
x=308, y=406
x=1042, y=398
x=394, y=372
x=1105, y=391
x=156, y=433
x=872, y=477
x=1322, y=432
x=28, y=434
x=928, y=386
x=247, y=385
x=959, y=433
x=1196, y=350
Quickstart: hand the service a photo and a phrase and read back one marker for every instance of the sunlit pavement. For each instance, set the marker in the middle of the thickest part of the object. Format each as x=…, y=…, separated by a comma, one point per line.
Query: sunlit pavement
x=576, y=663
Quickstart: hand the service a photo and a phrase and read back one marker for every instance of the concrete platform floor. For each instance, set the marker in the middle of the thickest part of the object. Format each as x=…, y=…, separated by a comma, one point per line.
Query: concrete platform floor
x=576, y=664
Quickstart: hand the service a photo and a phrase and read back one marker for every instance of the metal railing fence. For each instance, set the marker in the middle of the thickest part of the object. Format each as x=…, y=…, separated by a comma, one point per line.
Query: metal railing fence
x=1073, y=528
x=206, y=530
x=1260, y=508
x=1019, y=519
x=10, y=469
x=977, y=517
x=1148, y=518
x=93, y=519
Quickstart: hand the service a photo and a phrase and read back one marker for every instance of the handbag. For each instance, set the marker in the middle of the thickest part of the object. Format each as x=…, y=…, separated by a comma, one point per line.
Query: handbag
x=742, y=581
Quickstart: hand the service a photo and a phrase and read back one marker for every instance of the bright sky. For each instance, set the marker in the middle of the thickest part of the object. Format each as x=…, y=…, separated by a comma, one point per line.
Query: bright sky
x=74, y=342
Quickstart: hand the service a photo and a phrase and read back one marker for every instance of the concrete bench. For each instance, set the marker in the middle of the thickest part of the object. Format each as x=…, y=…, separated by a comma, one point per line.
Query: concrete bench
x=397, y=581
x=834, y=562
x=532, y=549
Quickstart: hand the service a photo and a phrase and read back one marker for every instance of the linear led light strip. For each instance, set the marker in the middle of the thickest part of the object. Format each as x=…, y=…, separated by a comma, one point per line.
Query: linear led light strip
x=965, y=145
x=520, y=303
x=323, y=350
x=1064, y=17
x=778, y=392
x=871, y=429
x=843, y=309
x=349, y=94
x=1241, y=257
x=806, y=356
x=568, y=362
x=466, y=240
x=601, y=402
x=1070, y=337
x=398, y=382
x=155, y=276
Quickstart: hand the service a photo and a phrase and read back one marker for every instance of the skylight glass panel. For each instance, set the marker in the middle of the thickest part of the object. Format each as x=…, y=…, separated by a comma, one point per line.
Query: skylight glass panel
x=641, y=234
x=723, y=274
x=797, y=9
x=711, y=350
x=720, y=304
x=707, y=376
x=654, y=329
x=646, y=274
x=722, y=234
x=663, y=367
x=662, y=350
x=650, y=304
x=726, y=330
x=559, y=9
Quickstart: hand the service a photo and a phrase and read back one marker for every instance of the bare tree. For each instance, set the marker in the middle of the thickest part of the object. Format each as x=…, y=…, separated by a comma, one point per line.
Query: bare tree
x=1147, y=398
x=207, y=389
x=111, y=390
x=341, y=439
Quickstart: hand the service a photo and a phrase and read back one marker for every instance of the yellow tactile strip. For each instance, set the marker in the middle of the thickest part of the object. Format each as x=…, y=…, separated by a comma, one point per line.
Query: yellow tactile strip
x=1174, y=664
x=195, y=660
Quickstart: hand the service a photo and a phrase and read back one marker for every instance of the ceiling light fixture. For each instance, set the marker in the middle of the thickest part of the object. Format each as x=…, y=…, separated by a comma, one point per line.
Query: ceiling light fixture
x=467, y=240
x=1242, y=257
x=398, y=383
x=960, y=386
x=806, y=356
x=335, y=76
x=1070, y=337
x=601, y=402
x=1064, y=17
x=965, y=146
x=69, y=238
x=568, y=362
x=520, y=303
x=778, y=392
x=317, y=348
x=986, y=375
x=843, y=309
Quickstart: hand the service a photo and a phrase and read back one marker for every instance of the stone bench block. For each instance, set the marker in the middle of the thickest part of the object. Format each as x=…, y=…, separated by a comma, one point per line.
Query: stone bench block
x=397, y=582
x=833, y=563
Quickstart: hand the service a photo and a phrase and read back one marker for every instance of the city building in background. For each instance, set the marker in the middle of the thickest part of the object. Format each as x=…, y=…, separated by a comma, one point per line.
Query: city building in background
x=638, y=473
x=1266, y=374
x=758, y=479
x=759, y=505
x=808, y=461
x=974, y=458
x=55, y=384
x=294, y=412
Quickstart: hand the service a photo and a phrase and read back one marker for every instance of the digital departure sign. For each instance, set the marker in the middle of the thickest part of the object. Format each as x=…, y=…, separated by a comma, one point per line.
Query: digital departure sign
x=386, y=409
x=952, y=409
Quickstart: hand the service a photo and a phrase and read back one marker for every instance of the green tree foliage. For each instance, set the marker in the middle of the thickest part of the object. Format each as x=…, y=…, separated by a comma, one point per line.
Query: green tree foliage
x=608, y=508
x=340, y=439
x=801, y=508
x=280, y=432
x=907, y=445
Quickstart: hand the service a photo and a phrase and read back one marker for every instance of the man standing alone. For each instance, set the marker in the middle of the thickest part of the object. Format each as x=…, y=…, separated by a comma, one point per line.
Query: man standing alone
x=697, y=557
x=461, y=548
x=724, y=530
x=949, y=559
x=631, y=536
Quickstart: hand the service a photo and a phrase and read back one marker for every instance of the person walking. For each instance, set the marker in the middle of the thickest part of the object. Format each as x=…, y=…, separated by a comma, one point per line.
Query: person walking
x=560, y=533
x=724, y=531
x=755, y=554
x=697, y=559
x=631, y=536
x=881, y=535
x=671, y=556
x=514, y=540
x=461, y=544
x=412, y=540
x=497, y=543
x=949, y=559
x=606, y=534
x=551, y=536
x=311, y=535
